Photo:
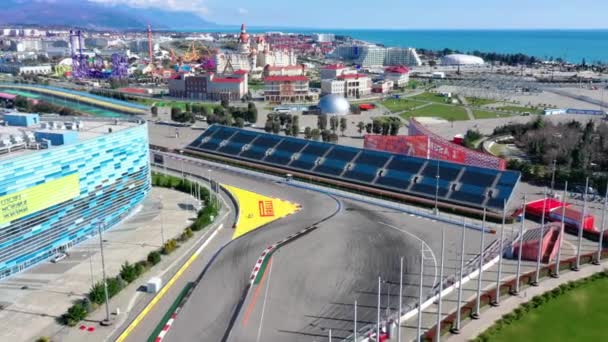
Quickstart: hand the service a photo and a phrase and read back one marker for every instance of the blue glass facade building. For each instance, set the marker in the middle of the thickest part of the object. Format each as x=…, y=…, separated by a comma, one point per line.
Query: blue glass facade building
x=98, y=182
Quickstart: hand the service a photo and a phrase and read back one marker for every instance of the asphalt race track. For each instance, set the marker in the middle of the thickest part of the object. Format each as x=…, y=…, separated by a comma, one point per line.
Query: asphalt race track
x=311, y=283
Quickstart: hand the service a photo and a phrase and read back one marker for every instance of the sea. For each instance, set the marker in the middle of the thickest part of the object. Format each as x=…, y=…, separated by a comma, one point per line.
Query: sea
x=570, y=45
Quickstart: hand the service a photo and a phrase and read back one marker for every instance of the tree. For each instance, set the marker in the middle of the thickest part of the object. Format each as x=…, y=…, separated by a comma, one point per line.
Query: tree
x=325, y=135
x=268, y=126
x=333, y=138
x=239, y=122
x=322, y=122
x=21, y=102
x=360, y=127
x=188, y=107
x=225, y=103
x=369, y=128
x=343, y=125
x=386, y=127
x=276, y=127
x=315, y=134
x=333, y=123
x=307, y=133
x=295, y=126
x=394, y=127
x=376, y=125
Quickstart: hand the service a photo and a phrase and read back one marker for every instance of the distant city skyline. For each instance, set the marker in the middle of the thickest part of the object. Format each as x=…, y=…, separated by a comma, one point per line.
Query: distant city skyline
x=392, y=14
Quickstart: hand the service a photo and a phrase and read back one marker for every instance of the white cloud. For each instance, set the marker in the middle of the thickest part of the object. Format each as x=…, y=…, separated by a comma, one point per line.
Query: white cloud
x=195, y=6
x=242, y=11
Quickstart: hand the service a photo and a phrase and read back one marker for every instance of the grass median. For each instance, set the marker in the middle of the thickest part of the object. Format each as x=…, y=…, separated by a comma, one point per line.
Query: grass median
x=575, y=311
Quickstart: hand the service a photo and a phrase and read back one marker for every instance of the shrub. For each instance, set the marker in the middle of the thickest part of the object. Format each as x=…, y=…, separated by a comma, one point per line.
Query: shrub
x=43, y=339
x=128, y=272
x=154, y=258
x=169, y=247
x=141, y=267
x=97, y=294
x=75, y=314
x=115, y=284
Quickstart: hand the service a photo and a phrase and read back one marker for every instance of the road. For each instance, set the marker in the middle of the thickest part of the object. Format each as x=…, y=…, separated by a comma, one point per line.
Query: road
x=313, y=281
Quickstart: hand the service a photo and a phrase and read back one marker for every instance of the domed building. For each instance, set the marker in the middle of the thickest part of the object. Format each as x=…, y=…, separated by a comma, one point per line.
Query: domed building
x=333, y=104
x=458, y=59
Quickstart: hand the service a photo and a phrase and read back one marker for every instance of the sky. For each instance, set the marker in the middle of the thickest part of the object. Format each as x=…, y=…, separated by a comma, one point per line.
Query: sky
x=394, y=14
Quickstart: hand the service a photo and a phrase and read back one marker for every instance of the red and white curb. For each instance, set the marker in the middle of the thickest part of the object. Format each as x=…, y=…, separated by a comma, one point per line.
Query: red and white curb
x=271, y=248
x=167, y=326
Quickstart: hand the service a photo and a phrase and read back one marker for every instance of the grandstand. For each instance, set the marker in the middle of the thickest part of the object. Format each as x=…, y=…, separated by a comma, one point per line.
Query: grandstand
x=416, y=177
x=95, y=100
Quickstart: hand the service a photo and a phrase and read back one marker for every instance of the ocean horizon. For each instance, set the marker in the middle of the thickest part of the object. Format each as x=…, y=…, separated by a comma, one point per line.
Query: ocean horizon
x=572, y=45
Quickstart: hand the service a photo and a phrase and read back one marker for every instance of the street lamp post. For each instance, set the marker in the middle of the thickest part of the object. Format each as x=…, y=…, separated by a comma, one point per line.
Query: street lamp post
x=475, y=314
x=439, y=306
x=162, y=225
x=419, y=326
x=540, y=240
x=456, y=329
x=561, y=234
x=500, y=255
x=581, y=228
x=436, y=210
x=400, y=300
x=553, y=175
x=106, y=321
x=521, y=240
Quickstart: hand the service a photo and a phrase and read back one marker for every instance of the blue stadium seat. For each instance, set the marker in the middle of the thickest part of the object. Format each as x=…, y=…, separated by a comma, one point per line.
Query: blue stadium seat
x=395, y=179
x=310, y=154
x=260, y=146
x=406, y=163
x=403, y=174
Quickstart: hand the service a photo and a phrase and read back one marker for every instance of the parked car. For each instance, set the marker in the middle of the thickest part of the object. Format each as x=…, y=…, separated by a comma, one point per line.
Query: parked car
x=58, y=257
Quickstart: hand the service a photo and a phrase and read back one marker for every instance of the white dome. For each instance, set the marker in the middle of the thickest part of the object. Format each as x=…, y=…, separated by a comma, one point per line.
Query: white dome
x=457, y=59
x=334, y=104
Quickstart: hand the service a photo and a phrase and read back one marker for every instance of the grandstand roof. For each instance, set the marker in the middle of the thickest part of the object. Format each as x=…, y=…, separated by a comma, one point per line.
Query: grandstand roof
x=472, y=186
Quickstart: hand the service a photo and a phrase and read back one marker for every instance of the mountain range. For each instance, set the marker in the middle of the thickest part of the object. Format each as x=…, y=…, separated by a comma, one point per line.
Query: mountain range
x=95, y=16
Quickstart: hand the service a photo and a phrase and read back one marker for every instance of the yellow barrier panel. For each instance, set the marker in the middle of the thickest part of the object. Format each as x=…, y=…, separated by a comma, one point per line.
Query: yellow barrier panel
x=256, y=210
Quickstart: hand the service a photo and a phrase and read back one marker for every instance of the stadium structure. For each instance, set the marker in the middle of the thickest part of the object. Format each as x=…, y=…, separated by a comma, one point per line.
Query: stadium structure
x=460, y=59
x=61, y=181
x=421, y=142
x=398, y=176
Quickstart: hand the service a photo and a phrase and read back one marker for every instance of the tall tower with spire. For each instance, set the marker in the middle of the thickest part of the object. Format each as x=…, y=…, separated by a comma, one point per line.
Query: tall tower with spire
x=244, y=46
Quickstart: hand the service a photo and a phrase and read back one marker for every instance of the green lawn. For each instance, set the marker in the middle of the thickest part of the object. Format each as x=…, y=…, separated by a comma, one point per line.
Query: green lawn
x=398, y=105
x=440, y=111
x=430, y=97
x=484, y=114
x=180, y=104
x=256, y=86
x=479, y=101
x=578, y=315
x=519, y=109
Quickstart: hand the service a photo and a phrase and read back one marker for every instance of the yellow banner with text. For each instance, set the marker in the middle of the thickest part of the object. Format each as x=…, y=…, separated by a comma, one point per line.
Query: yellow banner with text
x=22, y=203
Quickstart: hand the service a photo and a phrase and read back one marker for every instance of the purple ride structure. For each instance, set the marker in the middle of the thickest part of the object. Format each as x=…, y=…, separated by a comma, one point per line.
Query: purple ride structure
x=85, y=67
